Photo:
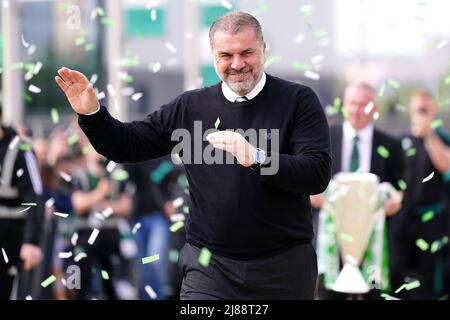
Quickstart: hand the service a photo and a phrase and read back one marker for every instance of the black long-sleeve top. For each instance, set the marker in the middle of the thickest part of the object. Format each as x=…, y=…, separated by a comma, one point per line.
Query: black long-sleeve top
x=235, y=210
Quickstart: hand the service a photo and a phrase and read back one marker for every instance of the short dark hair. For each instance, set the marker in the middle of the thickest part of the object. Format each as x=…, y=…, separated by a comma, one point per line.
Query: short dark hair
x=234, y=22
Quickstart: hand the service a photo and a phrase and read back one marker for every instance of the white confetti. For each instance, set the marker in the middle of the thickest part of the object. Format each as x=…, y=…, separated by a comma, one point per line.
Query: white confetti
x=441, y=44
x=93, y=14
x=74, y=239
x=28, y=76
x=312, y=75
x=19, y=173
x=25, y=44
x=111, y=89
x=31, y=49
x=37, y=67
x=317, y=59
x=34, y=89
x=28, y=297
x=93, y=236
x=137, y=96
x=64, y=255
x=14, y=142
x=136, y=227
x=177, y=217
x=428, y=178
x=99, y=216
x=80, y=256
x=64, y=282
x=93, y=79
x=178, y=202
x=107, y=212
x=62, y=215
x=101, y=95
x=369, y=107
x=150, y=292
x=299, y=38
x=127, y=91
x=153, y=15
x=65, y=176
x=5, y=257
x=156, y=67
x=5, y=4
x=376, y=116
x=26, y=209
x=171, y=47
x=111, y=166
x=227, y=4
x=50, y=202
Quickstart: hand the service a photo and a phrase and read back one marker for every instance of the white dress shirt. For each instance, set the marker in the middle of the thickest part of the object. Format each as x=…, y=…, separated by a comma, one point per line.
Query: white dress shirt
x=364, y=146
x=232, y=96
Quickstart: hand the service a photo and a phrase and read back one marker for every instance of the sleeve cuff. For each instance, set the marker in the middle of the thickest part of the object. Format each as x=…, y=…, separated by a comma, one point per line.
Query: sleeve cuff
x=94, y=119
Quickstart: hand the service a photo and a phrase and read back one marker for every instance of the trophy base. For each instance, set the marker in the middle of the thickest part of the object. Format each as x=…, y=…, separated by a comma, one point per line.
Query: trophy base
x=350, y=280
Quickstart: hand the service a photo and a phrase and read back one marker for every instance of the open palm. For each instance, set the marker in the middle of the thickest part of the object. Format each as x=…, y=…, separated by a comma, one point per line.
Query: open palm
x=78, y=90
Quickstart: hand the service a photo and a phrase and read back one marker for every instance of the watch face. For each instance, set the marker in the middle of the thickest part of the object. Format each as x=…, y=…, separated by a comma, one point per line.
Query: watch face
x=260, y=156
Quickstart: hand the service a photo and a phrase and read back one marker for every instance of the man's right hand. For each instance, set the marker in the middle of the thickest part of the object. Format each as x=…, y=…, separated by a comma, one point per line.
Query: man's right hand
x=317, y=200
x=78, y=90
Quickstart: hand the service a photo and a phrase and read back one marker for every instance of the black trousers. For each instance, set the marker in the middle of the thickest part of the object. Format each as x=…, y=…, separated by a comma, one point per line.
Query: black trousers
x=288, y=275
x=11, y=244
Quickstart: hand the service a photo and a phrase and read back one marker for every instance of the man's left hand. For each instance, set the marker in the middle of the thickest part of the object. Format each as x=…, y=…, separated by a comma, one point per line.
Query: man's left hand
x=31, y=255
x=235, y=144
x=391, y=207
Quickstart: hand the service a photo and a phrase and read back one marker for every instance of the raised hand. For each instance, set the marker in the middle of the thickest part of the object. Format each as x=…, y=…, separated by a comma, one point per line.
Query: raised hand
x=78, y=90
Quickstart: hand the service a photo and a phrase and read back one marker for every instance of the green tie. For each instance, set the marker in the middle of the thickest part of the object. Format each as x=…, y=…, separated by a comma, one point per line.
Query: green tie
x=354, y=160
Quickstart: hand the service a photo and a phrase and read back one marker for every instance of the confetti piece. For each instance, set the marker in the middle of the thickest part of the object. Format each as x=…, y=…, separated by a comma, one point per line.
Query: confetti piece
x=381, y=90
x=227, y=4
x=26, y=209
x=99, y=216
x=33, y=204
x=306, y=9
x=186, y=210
x=150, y=259
x=151, y=293
x=153, y=15
x=80, y=256
x=402, y=184
x=50, y=202
x=62, y=215
x=55, y=115
x=382, y=151
x=403, y=286
x=344, y=113
x=105, y=275
x=447, y=80
x=37, y=67
x=204, y=257
x=177, y=217
x=136, y=227
x=14, y=142
x=28, y=297
x=178, y=202
x=376, y=115
x=444, y=239
x=217, y=123
x=31, y=49
x=107, y=212
x=5, y=257
x=388, y=297
x=312, y=75
x=48, y=281
x=74, y=239
x=317, y=59
x=394, y=84
x=64, y=255
x=271, y=60
x=427, y=216
x=137, y=96
x=111, y=166
x=110, y=89
x=176, y=226
x=413, y=285
x=73, y=139
x=89, y=47
x=171, y=47
x=25, y=147
x=411, y=152
x=369, y=107
x=441, y=44
x=437, y=123
x=156, y=67
x=101, y=95
x=93, y=236
x=17, y=65
x=173, y=255
x=435, y=246
x=346, y=237
x=120, y=175
x=428, y=178
x=65, y=176
x=422, y=244
x=299, y=38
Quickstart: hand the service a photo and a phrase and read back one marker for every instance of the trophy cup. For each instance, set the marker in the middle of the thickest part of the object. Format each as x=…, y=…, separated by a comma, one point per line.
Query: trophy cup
x=355, y=201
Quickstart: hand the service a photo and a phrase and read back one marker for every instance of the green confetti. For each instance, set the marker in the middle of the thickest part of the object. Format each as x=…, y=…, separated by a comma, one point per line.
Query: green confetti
x=344, y=113
x=402, y=184
x=394, y=84
x=73, y=139
x=105, y=275
x=120, y=175
x=413, y=285
x=447, y=80
x=382, y=151
x=176, y=226
x=28, y=204
x=422, y=244
x=263, y=7
x=320, y=34
x=427, y=216
x=100, y=11
x=302, y=67
x=419, y=18
x=411, y=152
x=173, y=255
x=48, y=281
x=106, y=21
x=126, y=78
x=381, y=90
x=89, y=47
x=17, y=65
x=55, y=115
x=306, y=9
x=85, y=150
x=25, y=147
x=403, y=286
x=337, y=102
x=27, y=97
x=271, y=60
x=150, y=259
x=437, y=123
x=388, y=297
x=186, y=210
x=204, y=257
x=346, y=237
x=444, y=240
x=217, y=123
x=435, y=246
x=80, y=41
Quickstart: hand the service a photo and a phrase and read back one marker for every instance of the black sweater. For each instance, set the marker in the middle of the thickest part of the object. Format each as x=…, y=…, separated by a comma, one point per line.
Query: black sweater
x=235, y=211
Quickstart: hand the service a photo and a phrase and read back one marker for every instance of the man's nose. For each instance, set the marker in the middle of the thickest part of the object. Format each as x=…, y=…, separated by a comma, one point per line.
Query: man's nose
x=237, y=63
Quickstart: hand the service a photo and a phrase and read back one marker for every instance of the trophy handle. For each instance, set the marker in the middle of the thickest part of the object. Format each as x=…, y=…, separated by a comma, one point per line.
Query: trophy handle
x=350, y=280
